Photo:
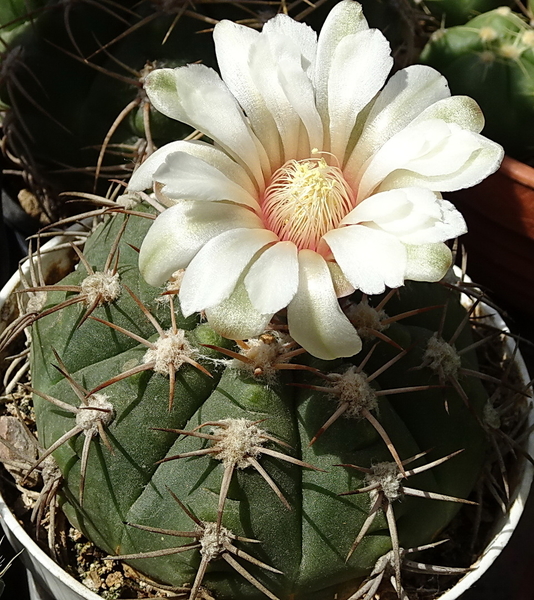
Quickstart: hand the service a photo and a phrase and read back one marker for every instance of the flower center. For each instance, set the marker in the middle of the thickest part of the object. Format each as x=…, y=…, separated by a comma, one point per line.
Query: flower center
x=304, y=200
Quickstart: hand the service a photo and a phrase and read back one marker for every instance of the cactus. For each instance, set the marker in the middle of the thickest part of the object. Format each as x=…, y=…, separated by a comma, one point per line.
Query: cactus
x=458, y=12
x=281, y=463
x=232, y=448
x=491, y=58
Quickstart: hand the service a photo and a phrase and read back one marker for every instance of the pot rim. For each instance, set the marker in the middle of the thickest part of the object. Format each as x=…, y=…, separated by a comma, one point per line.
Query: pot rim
x=517, y=171
x=507, y=522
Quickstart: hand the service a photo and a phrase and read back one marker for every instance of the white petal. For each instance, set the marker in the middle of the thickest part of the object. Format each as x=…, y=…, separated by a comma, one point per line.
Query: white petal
x=314, y=317
x=431, y=149
x=428, y=262
x=142, y=178
x=213, y=273
x=344, y=19
x=370, y=259
x=293, y=46
x=233, y=44
x=462, y=110
x=265, y=74
x=297, y=34
x=235, y=318
x=483, y=162
x=196, y=95
x=360, y=66
x=413, y=215
x=272, y=279
x=385, y=206
x=181, y=231
x=408, y=93
x=188, y=177
x=342, y=285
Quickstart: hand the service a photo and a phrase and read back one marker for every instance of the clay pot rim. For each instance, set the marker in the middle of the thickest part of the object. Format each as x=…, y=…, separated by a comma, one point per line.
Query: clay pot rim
x=517, y=171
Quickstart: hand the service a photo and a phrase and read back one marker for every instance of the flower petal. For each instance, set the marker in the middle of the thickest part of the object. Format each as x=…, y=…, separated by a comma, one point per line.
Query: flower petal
x=235, y=318
x=413, y=215
x=427, y=262
x=462, y=110
x=344, y=19
x=233, y=45
x=360, y=66
x=408, y=93
x=181, y=231
x=265, y=74
x=188, y=177
x=190, y=94
x=142, y=178
x=314, y=316
x=369, y=258
x=482, y=162
x=272, y=279
x=213, y=273
x=430, y=151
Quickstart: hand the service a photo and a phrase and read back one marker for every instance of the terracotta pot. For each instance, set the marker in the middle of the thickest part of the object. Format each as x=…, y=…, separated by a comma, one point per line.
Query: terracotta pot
x=500, y=242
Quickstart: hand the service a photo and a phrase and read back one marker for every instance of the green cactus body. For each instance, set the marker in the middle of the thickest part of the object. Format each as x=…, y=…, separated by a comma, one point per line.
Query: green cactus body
x=491, y=59
x=458, y=12
x=306, y=528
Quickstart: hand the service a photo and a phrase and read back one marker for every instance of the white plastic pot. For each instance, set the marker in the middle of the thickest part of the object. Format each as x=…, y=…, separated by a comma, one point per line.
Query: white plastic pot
x=48, y=581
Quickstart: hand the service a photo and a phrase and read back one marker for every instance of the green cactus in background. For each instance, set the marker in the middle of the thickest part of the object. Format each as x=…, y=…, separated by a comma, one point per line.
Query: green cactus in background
x=458, y=12
x=491, y=58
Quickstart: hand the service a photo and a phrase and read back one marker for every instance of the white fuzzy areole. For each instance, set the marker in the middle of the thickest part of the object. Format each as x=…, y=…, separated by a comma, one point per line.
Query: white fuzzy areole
x=366, y=318
x=102, y=286
x=171, y=351
x=352, y=388
x=213, y=540
x=239, y=439
x=88, y=419
x=387, y=475
x=264, y=351
x=442, y=358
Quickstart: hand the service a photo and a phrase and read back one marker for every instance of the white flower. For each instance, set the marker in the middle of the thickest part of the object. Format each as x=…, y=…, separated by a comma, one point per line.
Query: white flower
x=324, y=177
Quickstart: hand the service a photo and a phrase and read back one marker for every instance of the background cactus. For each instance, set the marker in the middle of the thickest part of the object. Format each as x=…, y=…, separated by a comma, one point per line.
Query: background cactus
x=411, y=386
x=491, y=58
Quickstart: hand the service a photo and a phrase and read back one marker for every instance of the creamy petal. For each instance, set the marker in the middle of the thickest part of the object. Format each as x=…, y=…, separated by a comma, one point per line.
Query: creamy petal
x=233, y=45
x=431, y=150
x=413, y=215
x=188, y=177
x=369, y=258
x=235, y=318
x=181, y=231
x=462, y=110
x=345, y=18
x=428, y=262
x=272, y=279
x=191, y=94
x=214, y=271
x=265, y=73
x=480, y=164
x=142, y=178
x=342, y=285
x=314, y=317
x=360, y=66
x=405, y=96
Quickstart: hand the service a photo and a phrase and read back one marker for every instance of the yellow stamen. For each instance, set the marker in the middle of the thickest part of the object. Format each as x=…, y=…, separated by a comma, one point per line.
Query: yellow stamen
x=305, y=200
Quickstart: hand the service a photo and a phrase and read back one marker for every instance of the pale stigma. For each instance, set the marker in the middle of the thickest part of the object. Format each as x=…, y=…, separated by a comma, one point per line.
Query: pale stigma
x=304, y=200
